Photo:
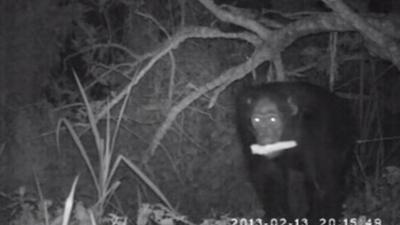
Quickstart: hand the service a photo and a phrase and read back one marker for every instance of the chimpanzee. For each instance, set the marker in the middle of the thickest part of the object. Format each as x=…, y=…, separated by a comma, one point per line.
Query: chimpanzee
x=321, y=126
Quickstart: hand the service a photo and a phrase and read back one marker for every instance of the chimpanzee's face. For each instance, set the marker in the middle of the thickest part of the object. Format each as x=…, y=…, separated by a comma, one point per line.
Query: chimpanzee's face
x=267, y=122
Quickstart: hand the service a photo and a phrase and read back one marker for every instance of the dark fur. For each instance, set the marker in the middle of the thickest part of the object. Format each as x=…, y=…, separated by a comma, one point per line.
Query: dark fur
x=324, y=131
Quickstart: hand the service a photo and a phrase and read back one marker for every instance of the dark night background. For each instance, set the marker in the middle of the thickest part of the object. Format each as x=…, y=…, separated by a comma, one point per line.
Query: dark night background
x=183, y=99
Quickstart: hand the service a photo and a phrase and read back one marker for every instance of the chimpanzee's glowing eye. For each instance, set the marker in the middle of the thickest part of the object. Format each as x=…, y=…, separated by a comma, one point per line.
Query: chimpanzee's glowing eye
x=257, y=119
x=273, y=119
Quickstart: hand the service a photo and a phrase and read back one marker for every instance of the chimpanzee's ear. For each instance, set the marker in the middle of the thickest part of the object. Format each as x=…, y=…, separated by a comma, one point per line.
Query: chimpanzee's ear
x=294, y=109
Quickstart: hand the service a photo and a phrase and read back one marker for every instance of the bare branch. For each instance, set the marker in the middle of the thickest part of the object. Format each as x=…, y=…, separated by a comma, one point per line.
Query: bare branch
x=371, y=33
x=239, y=20
x=262, y=53
x=179, y=37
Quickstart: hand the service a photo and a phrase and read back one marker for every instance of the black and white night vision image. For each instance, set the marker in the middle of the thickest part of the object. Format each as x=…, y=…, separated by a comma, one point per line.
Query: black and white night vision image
x=200, y=112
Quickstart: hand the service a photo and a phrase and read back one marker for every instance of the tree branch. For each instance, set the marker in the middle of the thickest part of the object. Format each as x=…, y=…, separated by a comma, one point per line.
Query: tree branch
x=369, y=31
